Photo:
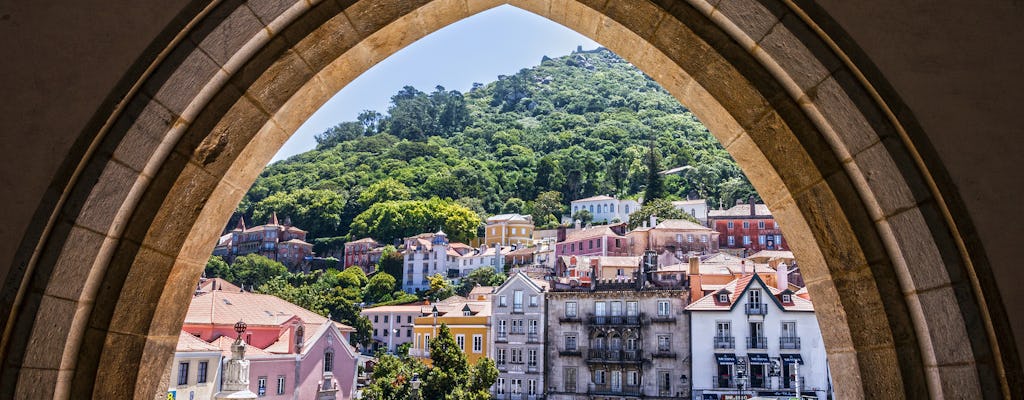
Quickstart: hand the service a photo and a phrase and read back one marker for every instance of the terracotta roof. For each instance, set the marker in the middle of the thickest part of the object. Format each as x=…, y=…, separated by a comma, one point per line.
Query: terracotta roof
x=189, y=343
x=772, y=254
x=595, y=198
x=207, y=284
x=590, y=233
x=509, y=217
x=298, y=241
x=403, y=308
x=741, y=210
x=522, y=251
x=604, y=261
x=224, y=344
x=681, y=224
x=737, y=288
x=363, y=240
x=226, y=308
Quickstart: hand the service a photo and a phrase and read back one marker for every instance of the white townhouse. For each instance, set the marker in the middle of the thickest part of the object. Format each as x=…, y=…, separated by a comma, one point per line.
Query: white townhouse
x=605, y=209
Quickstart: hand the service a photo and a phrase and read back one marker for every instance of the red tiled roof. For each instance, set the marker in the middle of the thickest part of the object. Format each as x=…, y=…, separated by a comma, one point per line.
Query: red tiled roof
x=226, y=308
x=224, y=343
x=189, y=343
x=590, y=233
x=741, y=210
x=737, y=287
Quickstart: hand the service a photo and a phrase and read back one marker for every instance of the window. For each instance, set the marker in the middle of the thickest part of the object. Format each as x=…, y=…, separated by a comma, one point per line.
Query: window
x=599, y=377
x=261, y=386
x=385, y=319
x=328, y=361
x=569, y=377
x=663, y=308
x=201, y=373
x=664, y=382
x=408, y=332
x=398, y=333
x=408, y=319
x=778, y=240
x=631, y=344
x=572, y=247
x=760, y=224
x=501, y=357
x=533, y=300
x=461, y=340
x=689, y=237
x=722, y=329
x=746, y=224
x=600, y=309
x=591, y=244
x=679, y=237
x=374, y=332
x=280, y=384
x=732, y=241
x=632, y=378
x=531, y=388
x=502, y=301
x=478, y=343
x=789, y=329
x=517, y=386
x=386, y=332
x=376, y=319
x=761, y=240
x=517, y=300
x=746, y=239
x=426, y=341
x=533, y=326
x=502, y=327
x=570, y=342
x=183, y=373
x=500, y=389
x=632, y=308
x=517, y=356
x=616, y=308
x=531, y=357
x=703, y=238
x=664, y=342
x=729, y=224
x=755, y=296
x=786, y=298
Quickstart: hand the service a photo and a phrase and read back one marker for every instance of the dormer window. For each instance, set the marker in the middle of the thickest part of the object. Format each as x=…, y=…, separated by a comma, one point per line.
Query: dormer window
x=787, y=298
x=723, y=298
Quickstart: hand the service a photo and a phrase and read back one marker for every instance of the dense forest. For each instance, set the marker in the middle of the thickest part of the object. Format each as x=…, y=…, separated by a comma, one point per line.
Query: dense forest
x=572, y=127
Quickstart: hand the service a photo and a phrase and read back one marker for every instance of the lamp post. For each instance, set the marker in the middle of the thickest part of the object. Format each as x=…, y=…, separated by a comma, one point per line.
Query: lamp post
x=414, y=394
x=434, y=312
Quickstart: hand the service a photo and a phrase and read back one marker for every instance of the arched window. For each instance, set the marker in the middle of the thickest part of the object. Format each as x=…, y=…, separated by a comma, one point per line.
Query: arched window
x=329, y=360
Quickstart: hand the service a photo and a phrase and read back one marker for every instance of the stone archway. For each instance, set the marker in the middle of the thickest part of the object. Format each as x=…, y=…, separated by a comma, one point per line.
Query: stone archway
x=906, y=308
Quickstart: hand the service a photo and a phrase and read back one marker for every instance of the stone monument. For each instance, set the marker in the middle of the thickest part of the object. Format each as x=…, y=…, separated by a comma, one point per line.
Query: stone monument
x=236, y=372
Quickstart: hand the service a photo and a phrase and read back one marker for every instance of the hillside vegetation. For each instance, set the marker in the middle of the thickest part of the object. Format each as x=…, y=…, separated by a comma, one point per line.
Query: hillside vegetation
x=572, y=127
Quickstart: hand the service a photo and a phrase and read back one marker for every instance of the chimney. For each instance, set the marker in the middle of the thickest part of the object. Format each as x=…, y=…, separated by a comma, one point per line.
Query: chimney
x=743, y=267
x=694, y=265
x=560, y=235
x=782, y=276
x=577, y=224
x=753, y=207
x=654, y=220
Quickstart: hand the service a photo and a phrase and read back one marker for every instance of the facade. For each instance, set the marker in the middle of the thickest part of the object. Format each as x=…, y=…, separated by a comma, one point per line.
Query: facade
x=283, y=243
x=601, y=240
x=518, y=335
x=697, y=208
x=293, y=352
x=468, y=319
x=392, y=325
x=509, y=230
x=361, y=253
x=605, y=209
x=584, y=270
x=196, y=370
x=674, y=236
x=746, y=229
x=485, y=256
x=751, y=339
x=425, y=255
x=617, y=340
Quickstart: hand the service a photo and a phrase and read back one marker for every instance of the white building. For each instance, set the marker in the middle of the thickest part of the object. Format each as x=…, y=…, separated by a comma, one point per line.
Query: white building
x=697, y=208
x=425, y=255
x=197, y=368
x=493, y=256
x=605, y=209
x=750, y=339
x=518, y=335
x=392, y=325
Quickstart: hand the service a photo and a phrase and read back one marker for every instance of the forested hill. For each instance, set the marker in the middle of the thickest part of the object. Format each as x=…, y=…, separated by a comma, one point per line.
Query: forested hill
x=580, y=125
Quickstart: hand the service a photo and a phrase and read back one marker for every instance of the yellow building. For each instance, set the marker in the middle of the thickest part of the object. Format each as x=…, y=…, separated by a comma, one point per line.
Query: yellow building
x=509, y=230
x=468, y=320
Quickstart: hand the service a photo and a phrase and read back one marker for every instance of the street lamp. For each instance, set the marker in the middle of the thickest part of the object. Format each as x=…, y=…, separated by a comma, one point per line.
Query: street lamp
x=434, y=312
x=415, y=385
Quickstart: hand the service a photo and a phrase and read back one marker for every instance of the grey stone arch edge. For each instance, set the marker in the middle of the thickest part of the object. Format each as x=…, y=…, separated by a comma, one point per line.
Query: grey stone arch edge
x=100, y=288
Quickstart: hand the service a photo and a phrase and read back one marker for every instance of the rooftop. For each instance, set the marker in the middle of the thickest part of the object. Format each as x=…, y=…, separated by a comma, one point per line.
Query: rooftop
x=225, y=308
x=737, y=287
x=741, y=210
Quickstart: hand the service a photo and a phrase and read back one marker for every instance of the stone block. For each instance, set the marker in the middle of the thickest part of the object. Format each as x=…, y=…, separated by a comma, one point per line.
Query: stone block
x=121, y=360
x=918, y=261
x=845, y=118
x=46, y=346
x=956, y=382
x=321, y=35
x=267, y=11
x=226, y=30
x=158, y=354
x=110, y=184
x=278, y=82
x=74, y=269
x=140, y=294
x=440, y=13
x=802, y=65
x=582, y=18
x=36, y=383
x=754, y=18
x=135, y=137
x=371, y=16
x=185, y=73
x=639, y=16
x=950, y=343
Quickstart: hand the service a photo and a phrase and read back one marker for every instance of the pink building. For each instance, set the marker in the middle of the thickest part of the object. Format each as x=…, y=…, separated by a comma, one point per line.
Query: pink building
x=293, y=352
x=283, y=243
x=602, y=240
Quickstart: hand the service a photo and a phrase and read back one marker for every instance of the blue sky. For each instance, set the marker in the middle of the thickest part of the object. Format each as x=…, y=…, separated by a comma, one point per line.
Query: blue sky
x=499, y=41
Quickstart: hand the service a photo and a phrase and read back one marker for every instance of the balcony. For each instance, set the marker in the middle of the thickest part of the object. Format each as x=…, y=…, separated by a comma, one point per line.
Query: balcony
x=603, y=356
x=789, y=343
x=518, y=331
x=618, y=320
x=663, y=354
x=609, y=390
x=725, y=342
x=502, y=337
x=568, y=319
x=502, y=367
x=723, y=382
x=757, y=309
x=532, y=369
x=663, y=319
x=571, y=353
x=517, y=308
x=532, y=337
x=757, y=342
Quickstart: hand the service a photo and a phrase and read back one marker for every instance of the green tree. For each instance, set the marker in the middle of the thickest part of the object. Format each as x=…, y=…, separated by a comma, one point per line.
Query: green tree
x=662, y=209
x=513, y=205
x=253, y=270
x=392, y=220
x=655, y=182
x=391, y=376
x=391, y=263
x=318, y=211
x=484, y=276
x=584, y=216
x=379, y=288
x=217, y=268
x=547, y=205
x=449, y=368
x=440, y=288
x=383, y=190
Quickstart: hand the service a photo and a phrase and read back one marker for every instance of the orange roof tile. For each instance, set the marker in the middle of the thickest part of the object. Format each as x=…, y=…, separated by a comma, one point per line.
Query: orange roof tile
x=189, y=343
x=226, y=308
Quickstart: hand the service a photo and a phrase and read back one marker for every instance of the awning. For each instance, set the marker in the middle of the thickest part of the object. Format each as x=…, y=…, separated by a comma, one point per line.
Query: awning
x=727, y=358
x=792, y=358
x=758, y=358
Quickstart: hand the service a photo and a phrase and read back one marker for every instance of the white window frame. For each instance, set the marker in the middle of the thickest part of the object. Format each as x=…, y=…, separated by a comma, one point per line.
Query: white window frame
x=571, y=305
x=664, y=308
x=478, y=343
x=461, y=341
